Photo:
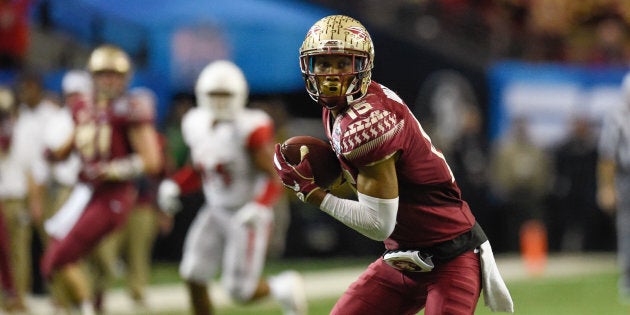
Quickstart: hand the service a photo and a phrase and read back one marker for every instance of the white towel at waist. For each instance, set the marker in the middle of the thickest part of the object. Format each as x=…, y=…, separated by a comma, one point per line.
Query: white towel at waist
x=495, y=293
x=62, y=222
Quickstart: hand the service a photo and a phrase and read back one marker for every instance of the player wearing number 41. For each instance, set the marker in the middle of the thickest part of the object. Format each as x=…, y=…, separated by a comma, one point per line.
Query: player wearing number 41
x=114, y=136
x=437, y=257
x=231, y=151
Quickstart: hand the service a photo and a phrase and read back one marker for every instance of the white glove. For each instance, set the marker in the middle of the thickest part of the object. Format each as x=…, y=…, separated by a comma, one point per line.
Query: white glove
x=168, y=197
x=250, y=213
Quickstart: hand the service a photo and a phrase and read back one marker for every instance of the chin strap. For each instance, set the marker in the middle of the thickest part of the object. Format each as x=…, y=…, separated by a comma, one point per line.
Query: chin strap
x=350, y=97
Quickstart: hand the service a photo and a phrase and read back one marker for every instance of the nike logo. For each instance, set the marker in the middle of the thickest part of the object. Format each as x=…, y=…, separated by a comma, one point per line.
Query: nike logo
x=296, y=187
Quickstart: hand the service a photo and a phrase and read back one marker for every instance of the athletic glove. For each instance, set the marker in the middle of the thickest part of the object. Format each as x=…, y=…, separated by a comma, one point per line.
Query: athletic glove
x=300, y=177
x=250, y=213
x=168, y=197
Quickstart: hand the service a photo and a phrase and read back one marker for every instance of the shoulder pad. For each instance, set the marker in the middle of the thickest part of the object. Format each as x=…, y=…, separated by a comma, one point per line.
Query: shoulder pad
x=196, y=124
x=365, y=134
x=250, y=119
x=141, y=105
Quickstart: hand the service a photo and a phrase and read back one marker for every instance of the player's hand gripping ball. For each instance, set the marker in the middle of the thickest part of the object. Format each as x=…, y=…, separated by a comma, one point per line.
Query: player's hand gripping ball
x=321, y=157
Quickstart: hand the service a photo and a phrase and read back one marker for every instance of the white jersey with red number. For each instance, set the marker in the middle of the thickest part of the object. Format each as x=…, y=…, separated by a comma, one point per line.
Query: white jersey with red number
x=221, y=151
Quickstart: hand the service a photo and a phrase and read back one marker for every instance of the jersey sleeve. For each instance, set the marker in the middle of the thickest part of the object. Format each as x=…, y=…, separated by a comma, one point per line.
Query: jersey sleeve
x=372, y=138
x=260, y=136
x=188, y=180
x=256, y=127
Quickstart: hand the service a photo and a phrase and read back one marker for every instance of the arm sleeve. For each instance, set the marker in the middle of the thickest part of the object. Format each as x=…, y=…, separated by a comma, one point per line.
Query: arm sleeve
x=270, y=193
x=370, y=216
x=271, y=189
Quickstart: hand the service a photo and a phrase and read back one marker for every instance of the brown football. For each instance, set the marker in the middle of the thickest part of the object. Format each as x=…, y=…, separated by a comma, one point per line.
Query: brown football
x=324, y=163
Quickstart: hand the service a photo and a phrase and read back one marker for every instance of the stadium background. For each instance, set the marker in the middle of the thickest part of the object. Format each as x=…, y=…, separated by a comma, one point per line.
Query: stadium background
x=518, y=66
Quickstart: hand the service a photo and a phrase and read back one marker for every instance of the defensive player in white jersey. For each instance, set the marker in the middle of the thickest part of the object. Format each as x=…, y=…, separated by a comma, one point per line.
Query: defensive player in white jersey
x=231, y=148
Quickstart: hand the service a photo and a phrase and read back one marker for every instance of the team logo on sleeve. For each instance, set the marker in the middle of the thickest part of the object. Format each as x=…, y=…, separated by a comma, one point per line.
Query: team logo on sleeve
x=366, y=134
x=336, y=138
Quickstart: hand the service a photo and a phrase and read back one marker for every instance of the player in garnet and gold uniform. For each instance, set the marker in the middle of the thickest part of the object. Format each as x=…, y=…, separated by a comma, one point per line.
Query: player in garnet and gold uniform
x=117, y=142
x=407, y=196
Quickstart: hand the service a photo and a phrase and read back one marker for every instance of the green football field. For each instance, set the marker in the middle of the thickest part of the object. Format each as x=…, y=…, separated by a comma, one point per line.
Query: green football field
x=591, y=292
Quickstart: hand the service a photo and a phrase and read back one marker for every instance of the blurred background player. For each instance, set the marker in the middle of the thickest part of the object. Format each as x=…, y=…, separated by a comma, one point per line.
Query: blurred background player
x=20, y=200
x=117, y=142
x=54, y=180
x=231, y=148
x=8, y=297
x=613, y=175
x=131, y=246
x=407, y=196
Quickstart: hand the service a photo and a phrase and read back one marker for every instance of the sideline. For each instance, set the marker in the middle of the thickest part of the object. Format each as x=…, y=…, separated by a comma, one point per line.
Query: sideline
x=331, y=283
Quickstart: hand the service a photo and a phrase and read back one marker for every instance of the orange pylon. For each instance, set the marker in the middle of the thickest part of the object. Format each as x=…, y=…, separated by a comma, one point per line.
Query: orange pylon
x=533, y=238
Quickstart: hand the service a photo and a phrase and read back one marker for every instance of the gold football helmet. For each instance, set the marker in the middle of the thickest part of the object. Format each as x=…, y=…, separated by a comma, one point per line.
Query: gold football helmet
x=344, y=36
x=109, y=58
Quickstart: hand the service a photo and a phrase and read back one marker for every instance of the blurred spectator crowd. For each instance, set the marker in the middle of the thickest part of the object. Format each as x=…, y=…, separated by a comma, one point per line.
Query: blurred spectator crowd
x=589, y=32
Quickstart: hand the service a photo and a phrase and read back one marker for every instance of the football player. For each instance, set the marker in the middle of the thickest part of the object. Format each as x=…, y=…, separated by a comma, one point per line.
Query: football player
x=7, y=119
x=406, y=194
x=56, y=179
x=117, y=142
x=20, y=197
x=231, y=148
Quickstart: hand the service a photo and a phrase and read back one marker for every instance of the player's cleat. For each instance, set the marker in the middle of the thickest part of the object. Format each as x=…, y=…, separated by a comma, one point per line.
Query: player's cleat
x=288, y=289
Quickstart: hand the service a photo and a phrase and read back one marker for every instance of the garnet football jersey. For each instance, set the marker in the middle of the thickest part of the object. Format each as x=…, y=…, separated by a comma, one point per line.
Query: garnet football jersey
x=101, y=131
x=430, y=206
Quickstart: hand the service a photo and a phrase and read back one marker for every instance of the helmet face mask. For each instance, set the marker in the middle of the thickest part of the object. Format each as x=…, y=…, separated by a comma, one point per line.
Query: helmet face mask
x=222, y=89
x=339, y=36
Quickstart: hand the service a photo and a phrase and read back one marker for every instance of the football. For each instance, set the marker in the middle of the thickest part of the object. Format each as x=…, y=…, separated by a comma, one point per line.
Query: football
x=324, y=163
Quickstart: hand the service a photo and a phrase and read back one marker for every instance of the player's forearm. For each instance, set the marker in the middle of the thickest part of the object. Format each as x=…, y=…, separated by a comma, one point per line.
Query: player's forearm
x=145, y=143
x=372, y=217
